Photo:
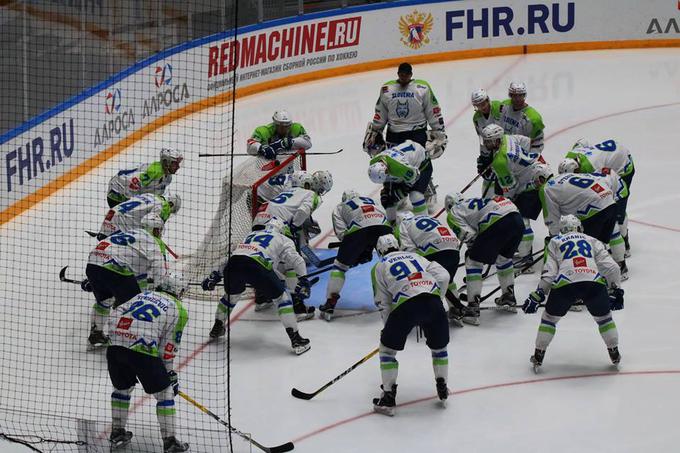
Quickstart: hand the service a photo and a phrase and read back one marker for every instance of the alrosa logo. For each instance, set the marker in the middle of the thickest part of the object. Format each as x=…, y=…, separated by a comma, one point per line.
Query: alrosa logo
x=414, y=29
x=163, y=75
x=113, y=101
x=121, y=119
x=167, y=94
x=663, y=26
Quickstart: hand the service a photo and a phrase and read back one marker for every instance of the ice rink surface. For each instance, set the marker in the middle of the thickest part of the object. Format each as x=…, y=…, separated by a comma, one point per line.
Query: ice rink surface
x=579, y=402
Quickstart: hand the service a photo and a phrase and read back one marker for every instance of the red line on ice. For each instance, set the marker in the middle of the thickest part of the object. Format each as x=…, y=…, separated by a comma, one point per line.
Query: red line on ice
x=653, y=225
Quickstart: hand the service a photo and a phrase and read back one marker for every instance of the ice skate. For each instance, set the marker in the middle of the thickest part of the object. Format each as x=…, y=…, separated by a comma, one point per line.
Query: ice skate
x=537, y=359
x=326, y=310
x=456, y=316
x=614, y=355
x=522, y=264
x=442, y=391
x=627, y=244
x=119, y=438
x=218, y=329
x=387, y=403
x=172, y=445
x=297, y=343
x=507, y=300
x=97, y=337
x=624, y=270
x=302, y=311
x=471, y=315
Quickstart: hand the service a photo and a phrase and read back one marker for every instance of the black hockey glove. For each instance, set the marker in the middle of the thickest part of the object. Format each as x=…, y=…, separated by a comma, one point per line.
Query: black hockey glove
x=287, y=143
x=303, y=289
x=483, y=167
x=267, y=152
x=209, y=283
x=174, y=381
x=616, y=299
x=85, y=285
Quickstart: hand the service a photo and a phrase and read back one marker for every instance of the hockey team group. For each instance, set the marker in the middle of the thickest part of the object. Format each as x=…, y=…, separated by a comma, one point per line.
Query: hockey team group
x=583, y=259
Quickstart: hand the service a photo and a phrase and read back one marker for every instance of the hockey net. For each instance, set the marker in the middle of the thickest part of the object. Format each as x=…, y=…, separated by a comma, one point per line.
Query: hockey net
x=238, y=201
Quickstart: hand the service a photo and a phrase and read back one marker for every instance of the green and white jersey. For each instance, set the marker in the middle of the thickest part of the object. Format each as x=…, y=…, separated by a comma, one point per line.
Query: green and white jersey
x=266, y=134
x=355, y=214
x=136, y=252
x=146, y=178
x=128, y=215
x=603, y=158
x=293, y=206
x=400, y=276
x=274, y=251
x=480, y=121
x=151, y=323
x=403, y=162
x=526, y=121
x=407, y=108
x=582, y=195
x=576, y=257
x=511, y=164
x=425, y=235
x=473, y=216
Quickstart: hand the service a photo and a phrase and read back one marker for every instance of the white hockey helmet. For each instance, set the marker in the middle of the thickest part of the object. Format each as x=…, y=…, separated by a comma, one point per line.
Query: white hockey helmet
x=404, y=216
x=171, y=155
x=282, y=118
x=154, y=224
x=349, y=194
x=581, y=143
x=377, y=172
x=386, y=244
x=570, y=223
x=517, y=88
x=175, y=202
x=173, y=283
x=492, y=135
x=568, y=165
x=275, y=224
x=478, y=97
x=542, y=173
x=301, y=178
x=452, y=199
x=322, y=181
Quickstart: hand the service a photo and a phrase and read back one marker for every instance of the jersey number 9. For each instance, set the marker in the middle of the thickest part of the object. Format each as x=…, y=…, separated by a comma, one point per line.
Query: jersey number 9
x=401, y=269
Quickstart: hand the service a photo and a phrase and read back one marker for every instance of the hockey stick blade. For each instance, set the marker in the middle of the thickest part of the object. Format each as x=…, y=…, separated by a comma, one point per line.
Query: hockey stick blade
x=334, y=245
x=91, y=233
x=302, y=395
x=63, y=278
x=288, y=446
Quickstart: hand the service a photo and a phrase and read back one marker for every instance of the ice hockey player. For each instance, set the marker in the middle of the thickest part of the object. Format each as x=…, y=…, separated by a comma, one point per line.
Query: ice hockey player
x=427, y=237
x=492, y=228
x=518, y=118
x=255, y=262
x=145, y=341
x=119, y=267
x=280, y=136
x=604, y=158
x=514, y=169
x=146, y=178
x=577, y=268
x=592, y=199
x=404, y=170
x=358, y=223
x=129, y=214
x=486, y=112
x=283, y=182
x=407, y=289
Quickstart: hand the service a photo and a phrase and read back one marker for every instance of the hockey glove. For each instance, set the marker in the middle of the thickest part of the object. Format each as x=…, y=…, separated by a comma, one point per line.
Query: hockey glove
x=533, y=301
x=267, y=152
x=174, y=381
x=85, y=285
x=366, y=256
x=616, y=298
x=287, y=143
x=303, y=288
x=312, y=228
x=483, y=167
x=209, y=283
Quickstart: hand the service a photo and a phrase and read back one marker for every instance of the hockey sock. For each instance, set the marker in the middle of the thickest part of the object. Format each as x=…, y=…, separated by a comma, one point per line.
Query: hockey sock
x=165, y=411
x=506, y=272
x=291, y=280
x=546, y=330
x=389, y=367
x=418, y=203
x=473, y=277
x=440, y=363
x=391, y=214
x=224, y=308
x=527, y=243
x=623, y=227
x=617, y=245
x=337, y=278
x=100, y=311
x=120, y=404
x=608, y=330
x=286, y=312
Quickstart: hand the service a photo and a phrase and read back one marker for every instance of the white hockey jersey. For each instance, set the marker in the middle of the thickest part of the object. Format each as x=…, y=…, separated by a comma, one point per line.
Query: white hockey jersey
x=128, y=215
x=146, y=178
x=400, y=276
x=355, y=214
x=604, y=157
x=473, y=216
x=135, y=252
x=273, y=186
x=403, y=161
x=425, y=235
x=151, y=323
x=407, y=108
x=511, y=164
x=582, y=195
x=526, y=121
x=577, y=257
x=274, y=251
x=293, y=206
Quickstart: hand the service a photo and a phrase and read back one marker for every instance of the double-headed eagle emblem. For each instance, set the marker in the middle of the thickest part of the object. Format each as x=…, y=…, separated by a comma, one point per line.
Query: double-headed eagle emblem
x=414, y=28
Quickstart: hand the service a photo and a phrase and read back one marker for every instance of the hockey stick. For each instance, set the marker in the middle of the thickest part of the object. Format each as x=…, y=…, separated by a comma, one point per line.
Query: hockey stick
x=288, y=446
x=334, y=245
x=279, y=154
x=319, y=271
x=167, y=247
x=63, y=278
x=308, y=396
x=464, y=189
x=312, y=282
x=494, y=291
x=533, y=255
x=310, y=255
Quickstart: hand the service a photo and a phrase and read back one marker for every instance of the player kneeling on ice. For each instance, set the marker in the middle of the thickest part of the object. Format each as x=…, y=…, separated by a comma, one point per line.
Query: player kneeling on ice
x=404, y=170
x=145, y=340
x=492, y=228
x=427, y=237
x=358, y=223
x=146, y=178
x=129, y=215
x=254, y=262
x=407, y=289
x=577, y=268
x=119, y=267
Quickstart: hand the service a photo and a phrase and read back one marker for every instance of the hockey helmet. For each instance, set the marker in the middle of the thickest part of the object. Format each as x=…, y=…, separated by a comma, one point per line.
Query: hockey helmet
x=581, y=143
x=542, y=173
x=173, y=283
x=275, y=224
x=492, y=134
x=175, y=202
x=570, y=223
x=377, y=172
x=568, y=165
x=301, y=178
x=282, y=118
x=386, y=244
x=349, y=194
x=517, y=88
x=478, y=97
x=322, y=181
x=170, y=160
x=452, y=199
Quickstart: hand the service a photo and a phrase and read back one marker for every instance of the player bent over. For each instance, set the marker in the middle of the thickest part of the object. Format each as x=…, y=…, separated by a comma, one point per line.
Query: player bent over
x=407, y=288
x=253, y=263
x=577, y=268
x=358, y=222
x=118, y=268
x=280, y=136
x=129, y=214
x=427, y=237
x=492, y=228
x=143, y=347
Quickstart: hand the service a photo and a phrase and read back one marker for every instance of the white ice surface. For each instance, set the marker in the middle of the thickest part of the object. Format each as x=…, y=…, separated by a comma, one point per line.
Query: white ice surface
x=633, y=96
